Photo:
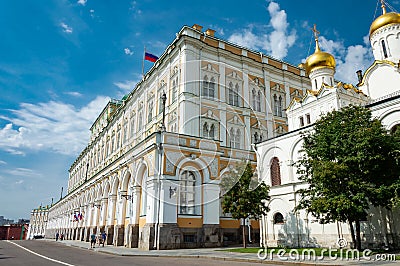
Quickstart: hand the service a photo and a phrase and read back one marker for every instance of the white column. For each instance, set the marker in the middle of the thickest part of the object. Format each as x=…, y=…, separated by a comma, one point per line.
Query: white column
x=103, y=211
x=111, y=209
x=134, y=205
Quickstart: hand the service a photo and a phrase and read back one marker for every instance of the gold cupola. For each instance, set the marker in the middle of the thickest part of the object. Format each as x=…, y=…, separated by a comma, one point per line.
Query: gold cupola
x=384, y=20
x=319, y=59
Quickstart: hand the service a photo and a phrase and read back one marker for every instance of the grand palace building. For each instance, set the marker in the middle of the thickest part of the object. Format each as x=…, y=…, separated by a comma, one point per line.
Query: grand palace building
x=149, y=176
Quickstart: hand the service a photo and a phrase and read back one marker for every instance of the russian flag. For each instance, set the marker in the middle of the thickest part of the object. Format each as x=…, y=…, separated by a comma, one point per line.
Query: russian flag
x=150, y=57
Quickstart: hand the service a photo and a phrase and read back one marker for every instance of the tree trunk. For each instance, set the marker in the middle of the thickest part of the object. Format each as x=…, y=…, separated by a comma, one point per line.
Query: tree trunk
x=353, y=236
x=244, y=233
x=358, y=235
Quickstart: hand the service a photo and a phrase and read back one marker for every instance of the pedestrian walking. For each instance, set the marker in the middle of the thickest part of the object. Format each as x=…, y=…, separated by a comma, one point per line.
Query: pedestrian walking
x=103, y=237
x=92, y=240
x=57, y=235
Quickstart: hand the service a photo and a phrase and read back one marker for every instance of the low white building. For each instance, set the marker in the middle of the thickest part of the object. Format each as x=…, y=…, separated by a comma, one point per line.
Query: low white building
x=379, y=90
x=38, y=222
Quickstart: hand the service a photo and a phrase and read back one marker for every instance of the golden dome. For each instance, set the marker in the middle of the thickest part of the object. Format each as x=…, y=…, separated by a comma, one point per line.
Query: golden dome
x=384, y=20
x=319, y=60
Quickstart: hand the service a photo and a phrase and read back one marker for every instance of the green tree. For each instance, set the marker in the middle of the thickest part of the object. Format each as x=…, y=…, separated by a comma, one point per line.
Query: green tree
x=244, y=197
x=350, y=163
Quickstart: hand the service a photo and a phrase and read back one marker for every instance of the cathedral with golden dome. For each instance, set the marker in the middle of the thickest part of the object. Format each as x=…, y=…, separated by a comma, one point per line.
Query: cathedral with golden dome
x=378, y=89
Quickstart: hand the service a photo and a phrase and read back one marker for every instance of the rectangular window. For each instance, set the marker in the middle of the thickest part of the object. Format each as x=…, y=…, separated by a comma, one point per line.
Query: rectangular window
x=301, y=121
x=189, y=238
x=308, y=117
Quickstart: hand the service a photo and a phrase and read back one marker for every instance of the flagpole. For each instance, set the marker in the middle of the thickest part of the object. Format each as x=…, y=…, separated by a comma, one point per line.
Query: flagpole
x=144, y=54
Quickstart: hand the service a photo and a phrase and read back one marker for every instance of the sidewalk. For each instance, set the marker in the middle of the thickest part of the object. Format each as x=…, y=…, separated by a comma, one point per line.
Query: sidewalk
x=216, y=254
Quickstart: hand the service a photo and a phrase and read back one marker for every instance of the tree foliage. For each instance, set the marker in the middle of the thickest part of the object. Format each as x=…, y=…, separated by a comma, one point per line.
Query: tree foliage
x=244, y=197
x=350, y=163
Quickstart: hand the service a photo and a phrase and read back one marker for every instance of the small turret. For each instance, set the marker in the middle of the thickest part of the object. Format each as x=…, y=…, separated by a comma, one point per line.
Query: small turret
x=320, y=66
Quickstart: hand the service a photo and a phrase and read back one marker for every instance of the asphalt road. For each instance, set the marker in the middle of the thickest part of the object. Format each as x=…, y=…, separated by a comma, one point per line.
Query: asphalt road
x=46, y=253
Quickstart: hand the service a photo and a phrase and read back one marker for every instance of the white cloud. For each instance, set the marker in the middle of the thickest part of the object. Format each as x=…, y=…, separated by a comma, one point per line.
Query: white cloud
x=247, y=38
x=2, y=162
x=52, y=126
x=25, y=172
x=92, y=13
x=356, y=58
x=275, y=42
x=74, y=93
x=332, y=47
x=126, y=86
x=82, y=2
x=128, y=51
x=66, y=28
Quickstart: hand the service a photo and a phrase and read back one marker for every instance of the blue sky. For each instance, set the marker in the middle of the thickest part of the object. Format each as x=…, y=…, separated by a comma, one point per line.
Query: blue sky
x=61, y=60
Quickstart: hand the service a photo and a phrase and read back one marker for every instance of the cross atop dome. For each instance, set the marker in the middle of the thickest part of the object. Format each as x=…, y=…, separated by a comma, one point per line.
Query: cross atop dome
x=383, y=7
x=316, y=36
x=316, y=32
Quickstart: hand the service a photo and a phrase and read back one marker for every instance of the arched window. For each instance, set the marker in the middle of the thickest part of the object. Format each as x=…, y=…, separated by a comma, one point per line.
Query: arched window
x=255, y=137
x=125, y=133
x=275, y=104
x=150, y=114
x=132, y=125
x=212, y=131
x=237, y=139
x=385, y=53
x=278, y=218
x=118, y=137
x=208, y=87
x=187, y=193
x=230, y=93
x=211, y=88
x=280, y=106
x=258, y=101
x=236, y=95
x=140, y=120
x=275, y=172
x=253, y=96
x=205, y=86
x=232, y=138
x=205, y=130
x=174, y=90
x=113, y=142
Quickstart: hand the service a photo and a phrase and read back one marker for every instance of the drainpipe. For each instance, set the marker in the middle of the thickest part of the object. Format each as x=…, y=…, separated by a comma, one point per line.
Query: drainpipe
x=160, y=157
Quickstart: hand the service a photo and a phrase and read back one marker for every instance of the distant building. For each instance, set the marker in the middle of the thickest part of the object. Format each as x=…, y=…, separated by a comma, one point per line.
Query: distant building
x=23, y=221
x=4, y=221
x=38, y=222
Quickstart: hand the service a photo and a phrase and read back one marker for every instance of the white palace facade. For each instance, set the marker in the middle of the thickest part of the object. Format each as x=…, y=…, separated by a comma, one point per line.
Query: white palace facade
x=149, y=176
x=379, y=90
